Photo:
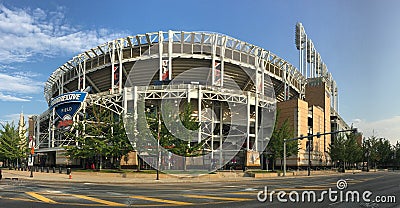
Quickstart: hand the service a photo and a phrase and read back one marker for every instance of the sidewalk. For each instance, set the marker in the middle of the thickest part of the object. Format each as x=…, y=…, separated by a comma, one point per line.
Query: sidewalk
x=135, y=178
x=120, y=178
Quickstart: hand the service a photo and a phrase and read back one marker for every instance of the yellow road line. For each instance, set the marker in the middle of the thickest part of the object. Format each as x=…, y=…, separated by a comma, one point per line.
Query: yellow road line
x=216, y=197
x=41, y=198
x=101, y=201
x=161, y=200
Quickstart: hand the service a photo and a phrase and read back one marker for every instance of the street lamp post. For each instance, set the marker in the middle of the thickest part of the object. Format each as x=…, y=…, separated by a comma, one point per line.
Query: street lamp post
x=368, y=153
x=284, y=157
x=310, y=139
x=363, y=157
x=31, y=145
x=158, y=145
x=31, y=167
x=394, y=159
x=344, y=159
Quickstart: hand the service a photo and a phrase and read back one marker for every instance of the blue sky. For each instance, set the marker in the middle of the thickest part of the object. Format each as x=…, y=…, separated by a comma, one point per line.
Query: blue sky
x=358, y=40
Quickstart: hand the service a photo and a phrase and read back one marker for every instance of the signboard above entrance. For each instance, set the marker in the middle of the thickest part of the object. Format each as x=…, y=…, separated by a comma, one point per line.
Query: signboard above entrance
x=78, y=97
x=66, y=106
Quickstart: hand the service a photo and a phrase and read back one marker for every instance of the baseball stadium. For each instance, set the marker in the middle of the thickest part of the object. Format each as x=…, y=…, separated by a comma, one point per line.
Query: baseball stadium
x=234, y=90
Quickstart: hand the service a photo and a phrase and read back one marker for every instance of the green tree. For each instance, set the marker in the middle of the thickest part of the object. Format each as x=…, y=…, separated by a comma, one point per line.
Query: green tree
x=89, y=141
x=353, y=150
x=185, y=147
x=82, y=148
x=13, y=144
x=140, y=128
x=346, y=150
x=384, y=150
x=396, y=154
x=100, y=135
x=118, y=142
x=275, y=145
x=337, y=149
x=373, y=155
x=174, y=142
x=379, y=151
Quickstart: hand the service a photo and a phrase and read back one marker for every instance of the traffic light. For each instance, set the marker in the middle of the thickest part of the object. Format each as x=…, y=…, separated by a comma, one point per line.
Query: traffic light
x=309, y=145
x=318, y=135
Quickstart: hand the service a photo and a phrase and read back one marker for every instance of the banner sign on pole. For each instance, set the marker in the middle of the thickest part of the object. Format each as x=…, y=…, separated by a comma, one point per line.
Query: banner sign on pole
x=217, y=73
x=116, y=76
x=165, y=71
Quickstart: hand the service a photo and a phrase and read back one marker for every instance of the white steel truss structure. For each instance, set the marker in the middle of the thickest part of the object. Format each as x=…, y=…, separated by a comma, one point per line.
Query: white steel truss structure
x=105, y=68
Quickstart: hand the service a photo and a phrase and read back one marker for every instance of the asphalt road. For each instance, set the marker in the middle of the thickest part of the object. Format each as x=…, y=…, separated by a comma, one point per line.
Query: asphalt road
x=385, y=185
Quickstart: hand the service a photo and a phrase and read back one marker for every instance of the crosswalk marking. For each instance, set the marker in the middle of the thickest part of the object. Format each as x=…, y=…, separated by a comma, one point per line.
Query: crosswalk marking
x=101, y=201
x=41, y=198
x=161, y=200
x=216, y=197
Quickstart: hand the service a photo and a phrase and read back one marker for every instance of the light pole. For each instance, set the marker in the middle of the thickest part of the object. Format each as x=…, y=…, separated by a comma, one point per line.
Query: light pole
x=284, y=157
x=344, y=159
x=32, y=152
x=394, y=159
x=310, y=139
x=158, y=145
x=364, y=154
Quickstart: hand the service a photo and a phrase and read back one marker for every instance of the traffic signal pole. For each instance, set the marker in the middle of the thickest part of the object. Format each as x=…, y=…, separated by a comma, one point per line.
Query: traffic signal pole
x=310, y=139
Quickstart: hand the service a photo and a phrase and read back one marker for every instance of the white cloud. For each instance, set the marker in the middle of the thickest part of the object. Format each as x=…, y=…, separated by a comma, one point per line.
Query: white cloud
x=388, y=128
x=19, y=83
x=25, y=33
x=30, y=33
x=19, y=86
x=25, y=74
x=6, y=66
x=4, y=97
x=14, y=118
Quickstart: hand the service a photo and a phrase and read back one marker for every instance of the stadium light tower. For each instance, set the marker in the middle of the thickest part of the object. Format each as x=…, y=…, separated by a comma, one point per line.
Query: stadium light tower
x=300, y=39
x=311, y=64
